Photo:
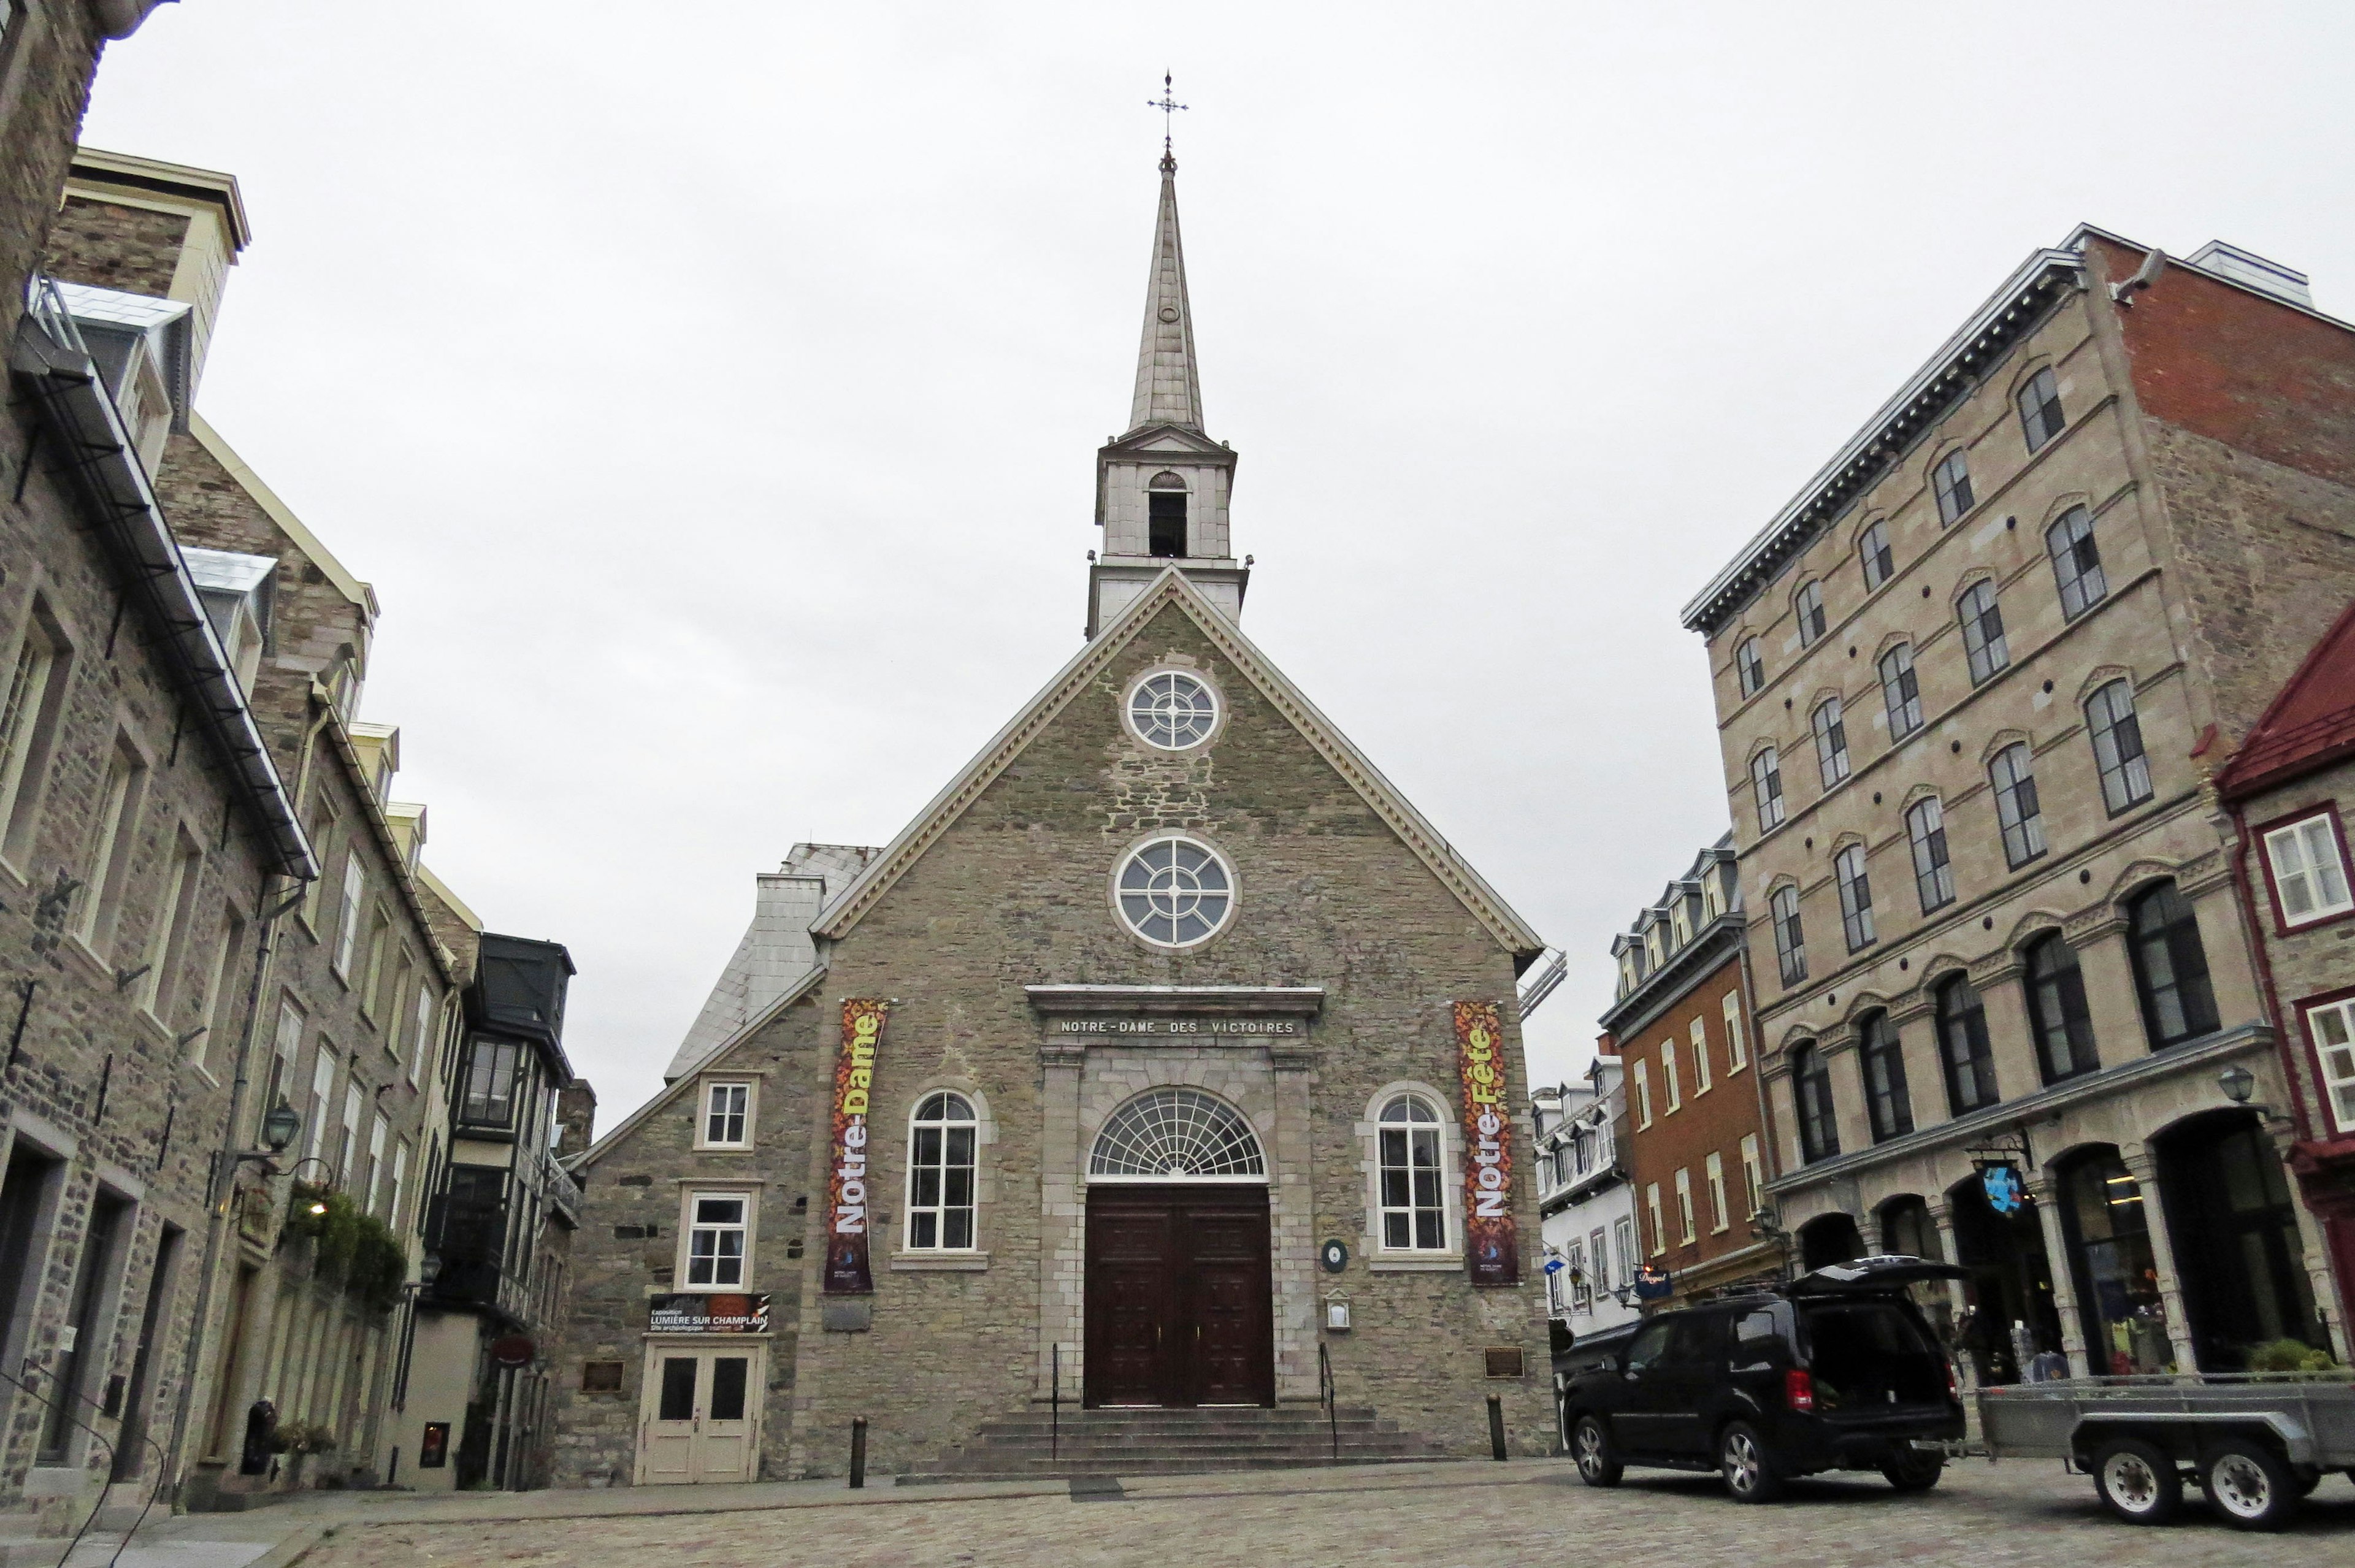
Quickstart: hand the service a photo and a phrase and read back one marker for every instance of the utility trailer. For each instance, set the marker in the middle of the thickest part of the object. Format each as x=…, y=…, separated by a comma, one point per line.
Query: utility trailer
x=2256, y=1443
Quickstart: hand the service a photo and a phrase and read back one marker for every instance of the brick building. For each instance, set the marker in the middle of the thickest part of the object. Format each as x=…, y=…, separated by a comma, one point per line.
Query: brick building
x=1134, y=1071
x=1971, y=685
x=2291, y=788
x=1697, y=1149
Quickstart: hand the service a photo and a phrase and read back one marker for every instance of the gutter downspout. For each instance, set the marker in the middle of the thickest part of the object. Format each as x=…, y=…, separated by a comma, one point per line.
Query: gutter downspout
x=223, y=1182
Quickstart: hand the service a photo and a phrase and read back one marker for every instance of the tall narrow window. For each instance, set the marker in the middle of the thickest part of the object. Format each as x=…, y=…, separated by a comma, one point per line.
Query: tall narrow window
x=1700, y=1042
x=726, y=1108
x=1962, y=1047
x=1712, y=1170
x=287, y=1046
x=2116, y=729
x=490, y=1083
x=1810, y=607
x=942, y=1139
x=2057, y=1012
x=1414, y=1214
x=2309, y=871
x=347, y=918
x=1168, y=523
x=1811, y=1090
x=380, y=1130
x=106, y=849
x=1749, y=669
x=2040, y=408
x=1950, y=481
x=1766, y=785
x=167, y=939
x=425, y=1041
x=2332, y=1028
x=1753, y=1176
x=1855, y=898
x=399, y=1184
x=1885, y=1095
x=74, y=1371
x=1643, y=1093
x=1652, y=1213
x=1983, y=643
x=1872, y=548
x=28, y=728
x=2076, y=562
x=1901, y=690
x=1790, y=936
x=1737, y=1047
x=347, y=1171
x=1684, y=1206
x=2017, y=810
x=323, y=1098
x=220, y=1001
x=1934, y=874
x=715, y=1240
x=1831, y=741
x=1669, y=1077
x=2170, y=968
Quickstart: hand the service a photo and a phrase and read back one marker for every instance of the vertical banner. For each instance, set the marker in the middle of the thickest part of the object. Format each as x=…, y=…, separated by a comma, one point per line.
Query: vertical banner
x=846, y=1270
x=1491, y=1239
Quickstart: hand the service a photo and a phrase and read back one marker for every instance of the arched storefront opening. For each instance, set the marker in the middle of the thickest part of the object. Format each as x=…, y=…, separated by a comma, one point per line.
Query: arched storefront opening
x=2105, y=1218
x=2235, y=1234
x=2010, y=1318
x=1906, y=1228
x=1829, y=1239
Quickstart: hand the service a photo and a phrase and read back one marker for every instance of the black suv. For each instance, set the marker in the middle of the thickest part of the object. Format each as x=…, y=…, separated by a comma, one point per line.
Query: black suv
x=1837, y=1370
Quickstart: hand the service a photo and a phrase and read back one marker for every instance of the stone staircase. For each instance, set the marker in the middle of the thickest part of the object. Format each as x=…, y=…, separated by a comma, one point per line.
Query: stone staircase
x=1145, y=1442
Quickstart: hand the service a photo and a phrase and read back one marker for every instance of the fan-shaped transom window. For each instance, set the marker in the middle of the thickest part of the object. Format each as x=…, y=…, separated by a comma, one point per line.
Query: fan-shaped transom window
x=1172, y=711
x=1177, y=1135
x=1175, y=892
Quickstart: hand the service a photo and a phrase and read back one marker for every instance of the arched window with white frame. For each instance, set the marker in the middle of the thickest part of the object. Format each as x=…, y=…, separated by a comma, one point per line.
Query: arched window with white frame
x=1413, y=1187
x=944, y=1139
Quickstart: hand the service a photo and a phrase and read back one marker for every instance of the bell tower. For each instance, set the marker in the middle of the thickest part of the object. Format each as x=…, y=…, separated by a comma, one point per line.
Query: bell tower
x=1162, y=488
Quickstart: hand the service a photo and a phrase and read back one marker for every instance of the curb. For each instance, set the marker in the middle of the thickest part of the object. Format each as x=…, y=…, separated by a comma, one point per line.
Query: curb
x=293, y=1548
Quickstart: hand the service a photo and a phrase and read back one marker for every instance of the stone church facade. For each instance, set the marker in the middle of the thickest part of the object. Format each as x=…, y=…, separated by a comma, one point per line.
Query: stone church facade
x=1180, y=1006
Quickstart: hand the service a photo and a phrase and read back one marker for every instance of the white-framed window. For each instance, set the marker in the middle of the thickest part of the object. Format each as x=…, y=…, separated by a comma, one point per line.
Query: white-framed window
x=1856, y=896
x=1809, y=606
x=1643, y=1093
x=943, y=1162
x=1652, y=1213
x=2116, y=729
x=1737, y=1049
x=1412, y=1179
x=1766, y=787
x=1984, y=647
x=1172, y=710
x=377, y=1134
x=167, y=937
x=1712, y=1175
x=323, y=1089
x=348, y=919
x=1950, y=481
x=2040, y=408
x=1175, y=892
x=1599, y=1260
x=422, y=1045
x=347, y=1171
x=1753, y=1174
x=28, y=724
x=1712, y=897
x=399, y=1184
x=727, y=1115
x=719, y=1231
x=1623, y=1244
x=2309, y=869
x=1684, y=1205
x=219, y=1001
x=1557, y=1305
x=2332, y=1029
x=2017, y=811
x=1701, y=1078
x=1669, y=1077
x=1582, y=1289
x=106, y=850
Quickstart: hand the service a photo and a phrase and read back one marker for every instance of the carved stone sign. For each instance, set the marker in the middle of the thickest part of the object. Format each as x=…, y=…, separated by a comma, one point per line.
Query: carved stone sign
x=1180, y=1028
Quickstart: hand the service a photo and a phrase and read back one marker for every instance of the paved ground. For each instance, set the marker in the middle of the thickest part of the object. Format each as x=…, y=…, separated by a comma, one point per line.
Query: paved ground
x=1435, y=1516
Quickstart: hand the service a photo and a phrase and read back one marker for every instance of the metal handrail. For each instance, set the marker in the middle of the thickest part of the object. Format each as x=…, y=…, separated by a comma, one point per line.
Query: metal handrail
x=45, y=304
x=1055, y=1402
x=1325, y=1393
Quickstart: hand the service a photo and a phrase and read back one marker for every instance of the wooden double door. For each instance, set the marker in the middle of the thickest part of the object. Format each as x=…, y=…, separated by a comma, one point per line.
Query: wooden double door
x=700, y=1416
x=1179, y=1297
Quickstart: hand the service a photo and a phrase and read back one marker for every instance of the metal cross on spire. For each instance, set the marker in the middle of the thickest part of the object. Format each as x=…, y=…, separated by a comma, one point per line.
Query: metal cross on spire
x=1168, y=106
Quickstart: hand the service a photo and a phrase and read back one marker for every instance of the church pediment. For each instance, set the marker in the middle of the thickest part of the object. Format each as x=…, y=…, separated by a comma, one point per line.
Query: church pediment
x=1166, y=441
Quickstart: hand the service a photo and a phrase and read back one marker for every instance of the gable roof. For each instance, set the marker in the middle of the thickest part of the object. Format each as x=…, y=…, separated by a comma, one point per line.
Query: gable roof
x=1172, y=590
x=677, y=1086
x=2311, y=722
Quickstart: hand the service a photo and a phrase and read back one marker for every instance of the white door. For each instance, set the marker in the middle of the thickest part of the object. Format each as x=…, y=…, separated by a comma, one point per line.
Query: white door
x=699, y=1417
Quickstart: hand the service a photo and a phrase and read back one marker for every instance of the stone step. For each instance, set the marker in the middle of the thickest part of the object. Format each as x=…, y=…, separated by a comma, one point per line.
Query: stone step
x=1147, y=1452
x=1054, y=1470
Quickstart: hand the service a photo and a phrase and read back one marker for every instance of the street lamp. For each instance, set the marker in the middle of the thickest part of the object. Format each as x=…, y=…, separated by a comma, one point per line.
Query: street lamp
x=278, y=1129
x=2238, y=1083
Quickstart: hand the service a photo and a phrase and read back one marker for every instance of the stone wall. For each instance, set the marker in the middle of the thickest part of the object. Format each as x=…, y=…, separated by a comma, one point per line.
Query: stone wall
x=45, y=76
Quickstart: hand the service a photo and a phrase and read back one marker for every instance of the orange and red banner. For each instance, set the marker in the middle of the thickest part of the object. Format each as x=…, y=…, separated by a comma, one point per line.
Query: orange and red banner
x=1491, y=1239
x=848, y=1271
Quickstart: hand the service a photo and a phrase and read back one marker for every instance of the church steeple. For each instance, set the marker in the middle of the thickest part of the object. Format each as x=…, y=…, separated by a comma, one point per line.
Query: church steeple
x=1162, y=488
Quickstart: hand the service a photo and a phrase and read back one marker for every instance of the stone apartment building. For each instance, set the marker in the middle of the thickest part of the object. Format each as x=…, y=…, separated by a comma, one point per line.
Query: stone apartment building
x=1697, y=1155
x=2290, y=789
x=1972, y=683
x=1587, y=1212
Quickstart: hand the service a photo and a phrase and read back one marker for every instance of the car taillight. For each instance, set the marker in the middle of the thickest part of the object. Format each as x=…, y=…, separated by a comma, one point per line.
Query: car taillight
x=1799, y=1390
x=1954, y=1388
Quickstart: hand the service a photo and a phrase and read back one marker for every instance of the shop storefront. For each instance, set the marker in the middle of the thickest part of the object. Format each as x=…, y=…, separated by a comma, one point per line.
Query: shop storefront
x=2106, y=1221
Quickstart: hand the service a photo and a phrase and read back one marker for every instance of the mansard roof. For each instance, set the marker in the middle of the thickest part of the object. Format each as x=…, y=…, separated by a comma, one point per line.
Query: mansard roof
x=1170, y=590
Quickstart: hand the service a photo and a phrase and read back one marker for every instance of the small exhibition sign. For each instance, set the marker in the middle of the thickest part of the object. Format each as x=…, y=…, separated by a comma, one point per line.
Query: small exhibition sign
x=847, y=1269
x=709, y=1314
x=1492, y=1240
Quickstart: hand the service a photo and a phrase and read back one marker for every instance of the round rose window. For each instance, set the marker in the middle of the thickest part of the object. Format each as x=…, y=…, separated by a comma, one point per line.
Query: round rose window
x=1172, y=710
x=1175, y=892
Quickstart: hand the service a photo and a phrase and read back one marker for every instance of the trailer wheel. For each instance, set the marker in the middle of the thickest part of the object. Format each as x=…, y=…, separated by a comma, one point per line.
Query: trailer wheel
x=2250, y=1485
x=2137, y=1482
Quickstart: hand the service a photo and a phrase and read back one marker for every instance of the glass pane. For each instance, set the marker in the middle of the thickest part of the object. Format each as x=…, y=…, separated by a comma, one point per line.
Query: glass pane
x=1426, y=1229
x=727, y=1387
x=924, y=1229
x=1395, y=1234
x=961, y=1142
x=924, y=1185
x=677, y=1389
x=719, y=1210
x=959, y=1230
x=957, y=1190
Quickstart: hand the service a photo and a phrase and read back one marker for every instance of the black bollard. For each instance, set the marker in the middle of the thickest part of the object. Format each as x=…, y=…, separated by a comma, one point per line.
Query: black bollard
x=1496, y=1428
x=859, y=1450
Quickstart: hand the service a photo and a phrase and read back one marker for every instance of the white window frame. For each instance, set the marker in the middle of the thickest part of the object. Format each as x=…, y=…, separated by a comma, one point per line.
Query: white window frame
x=1623, y=1246
x=1702, y=1078
x=1712, y=1175
x=1685, y=1207
x=1233, y=894
x=1383, y=1209
x=347, y=917
x=1210, y=732
x=220, y=988
x=1753, y=1173
x=691, y=1226
x=708, y=1092
x=400, y=1183
x=424, y=1043
x=1737, y=1051
x=380, y=1130
x=1599, y=1257
x=2330, y=1028
x=323, y=1098
x=28, y=723
x=1670, y=1077
x=1652, y=1213
x=1643, y=1093
x=939, y=1212
x=2314, y=841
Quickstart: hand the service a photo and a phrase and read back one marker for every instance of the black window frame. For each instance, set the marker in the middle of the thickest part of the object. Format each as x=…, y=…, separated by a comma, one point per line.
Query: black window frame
x=2174, y=933
x=2060, y=1019
x=1901, y=691
x=1984, y=648
x=1934, y=865
x=1811, y=1096
x=1950, y=483
x=1749, y=668
x=2076, y=558
x=1855, y=878
x=1966, y=1052
x=1872, y=550
x=1832, y=765
x=1889, y=1102
x=468, y=1099
x=2120, y=734
x=1790, y=934
x=2018, y=810
x=2039, y=401
x=1766, y=785
x=1808, y=604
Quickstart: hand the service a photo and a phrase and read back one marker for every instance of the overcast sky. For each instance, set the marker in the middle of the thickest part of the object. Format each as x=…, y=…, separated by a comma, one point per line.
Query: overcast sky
x=711, y=390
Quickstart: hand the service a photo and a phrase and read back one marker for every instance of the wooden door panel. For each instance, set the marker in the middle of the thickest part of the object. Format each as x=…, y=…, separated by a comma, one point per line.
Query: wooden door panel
x=1129, y=1275
x=1227, y=1309
x=1178, y=1297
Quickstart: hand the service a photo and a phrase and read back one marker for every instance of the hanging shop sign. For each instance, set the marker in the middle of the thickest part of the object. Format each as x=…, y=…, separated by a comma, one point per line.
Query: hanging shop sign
x=2004, y=1188
x=709, y=1314
x=1653, y=1284
x=847, y=1269
x=1491, y=1239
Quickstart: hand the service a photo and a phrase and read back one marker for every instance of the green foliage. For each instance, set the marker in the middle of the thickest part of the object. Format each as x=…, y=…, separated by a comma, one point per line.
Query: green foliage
x=297, y=1439
x=353, y=1248
x=2289, y=1356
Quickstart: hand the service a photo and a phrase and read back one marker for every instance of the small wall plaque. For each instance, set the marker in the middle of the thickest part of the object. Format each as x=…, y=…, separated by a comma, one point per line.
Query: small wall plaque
x=1334, y=1255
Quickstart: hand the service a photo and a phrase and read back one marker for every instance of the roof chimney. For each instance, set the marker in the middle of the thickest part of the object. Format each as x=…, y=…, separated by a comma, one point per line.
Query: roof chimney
x=2252, y=271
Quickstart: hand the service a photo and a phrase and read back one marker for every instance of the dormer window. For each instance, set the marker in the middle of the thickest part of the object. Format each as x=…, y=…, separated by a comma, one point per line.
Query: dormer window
x=1167, y=499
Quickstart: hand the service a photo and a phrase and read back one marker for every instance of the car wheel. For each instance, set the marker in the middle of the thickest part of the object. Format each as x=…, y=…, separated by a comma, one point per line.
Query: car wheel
x=2137, y=1482
x=1915, y=1472
x=1742, y=1458
x=2250, y=1485
x=1597, y=1455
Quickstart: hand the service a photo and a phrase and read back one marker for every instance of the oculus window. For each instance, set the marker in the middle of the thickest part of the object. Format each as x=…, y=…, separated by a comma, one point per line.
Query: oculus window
x=1172, y=711
x=1175, y=892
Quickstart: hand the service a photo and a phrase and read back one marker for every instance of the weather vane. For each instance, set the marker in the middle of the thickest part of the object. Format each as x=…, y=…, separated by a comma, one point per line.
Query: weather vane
x=1168, y=106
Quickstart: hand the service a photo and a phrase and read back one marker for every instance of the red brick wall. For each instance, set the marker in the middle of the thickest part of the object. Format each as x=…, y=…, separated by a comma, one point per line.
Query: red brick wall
x=1706, y=1123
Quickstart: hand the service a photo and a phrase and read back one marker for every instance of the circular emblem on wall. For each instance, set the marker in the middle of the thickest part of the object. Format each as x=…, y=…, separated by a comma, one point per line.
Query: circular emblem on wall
x=513, y=1351
x=1169, y=313
x=1174, y=892
x=1334, y=1255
